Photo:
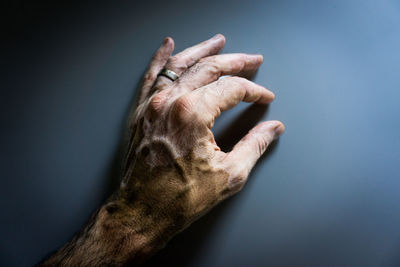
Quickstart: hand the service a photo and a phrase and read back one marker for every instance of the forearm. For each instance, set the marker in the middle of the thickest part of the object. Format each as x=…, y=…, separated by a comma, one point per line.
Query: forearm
x=152, y=205
x=118, y=234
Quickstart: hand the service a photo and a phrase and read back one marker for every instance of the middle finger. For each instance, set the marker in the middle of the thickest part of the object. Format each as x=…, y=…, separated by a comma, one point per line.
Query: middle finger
x=209, y=69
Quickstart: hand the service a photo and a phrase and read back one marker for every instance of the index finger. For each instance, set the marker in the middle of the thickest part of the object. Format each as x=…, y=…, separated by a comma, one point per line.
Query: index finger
x=209, y=101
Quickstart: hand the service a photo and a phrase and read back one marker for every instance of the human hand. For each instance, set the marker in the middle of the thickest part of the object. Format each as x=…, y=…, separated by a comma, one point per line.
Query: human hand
x=174, y=170
x=174, y=167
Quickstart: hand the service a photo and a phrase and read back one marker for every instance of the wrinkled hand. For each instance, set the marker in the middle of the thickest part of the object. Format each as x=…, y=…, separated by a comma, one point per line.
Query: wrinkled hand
x=174, y=170
x=174, y=167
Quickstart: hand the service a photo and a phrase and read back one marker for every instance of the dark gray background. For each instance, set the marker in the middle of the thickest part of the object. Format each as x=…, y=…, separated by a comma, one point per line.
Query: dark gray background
x=327, y=194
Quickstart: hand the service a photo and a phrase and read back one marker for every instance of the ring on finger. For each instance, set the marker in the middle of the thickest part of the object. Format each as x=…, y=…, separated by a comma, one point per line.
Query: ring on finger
x=169, y=74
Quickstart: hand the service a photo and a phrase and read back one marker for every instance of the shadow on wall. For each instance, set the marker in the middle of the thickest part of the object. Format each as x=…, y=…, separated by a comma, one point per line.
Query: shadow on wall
x=114, y=175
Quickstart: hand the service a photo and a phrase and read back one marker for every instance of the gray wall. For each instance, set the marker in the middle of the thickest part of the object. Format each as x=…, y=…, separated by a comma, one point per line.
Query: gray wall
x=327, y=194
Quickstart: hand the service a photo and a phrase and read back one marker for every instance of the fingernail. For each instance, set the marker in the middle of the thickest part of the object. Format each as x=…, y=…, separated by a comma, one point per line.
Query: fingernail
x=272, y=94
x=217, y=36
x=279, y=129
x=165, y=40
x=256, y=58
x=259, y=56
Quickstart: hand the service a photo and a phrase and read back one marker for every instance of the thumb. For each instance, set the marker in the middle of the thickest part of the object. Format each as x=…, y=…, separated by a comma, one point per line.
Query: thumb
x=249, y=149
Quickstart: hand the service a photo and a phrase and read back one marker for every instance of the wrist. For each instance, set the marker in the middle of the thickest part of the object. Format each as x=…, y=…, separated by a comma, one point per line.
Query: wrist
x=137, y=228
x=149, y=228
x=119, y=234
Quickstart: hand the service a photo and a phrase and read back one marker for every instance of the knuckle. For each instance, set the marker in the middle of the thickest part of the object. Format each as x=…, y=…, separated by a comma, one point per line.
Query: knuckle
x=237, y=181
x=182, y=102
x=161, y=84
x=173, y=59
x=176, y=63
x=211, y=65
x=182, y=108
x=213, y=69
x=189, y=59
x=242, y=176
x=208, y=69
x=209, y=59
x=156, y=103
x=262, y=146
x=148, y=77
x=235, y=84
x=261, y=143
x=239, y=63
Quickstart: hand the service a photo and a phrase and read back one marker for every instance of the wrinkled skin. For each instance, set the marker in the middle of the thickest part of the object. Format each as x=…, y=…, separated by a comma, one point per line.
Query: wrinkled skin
x=174, y=170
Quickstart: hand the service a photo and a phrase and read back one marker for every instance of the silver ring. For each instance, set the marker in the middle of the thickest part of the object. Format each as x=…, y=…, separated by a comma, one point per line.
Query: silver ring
x=169, y=74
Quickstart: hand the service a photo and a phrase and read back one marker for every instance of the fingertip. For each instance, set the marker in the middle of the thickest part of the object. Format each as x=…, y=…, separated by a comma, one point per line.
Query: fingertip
x=279, y=128
x=254, y=61
x=223, y=38
x=219, y=40
x=219, y=36
x=257, y=57
x=276, y=127
x=266, y=98
x=261, y=58
x=272, y=95
x=168, y=41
